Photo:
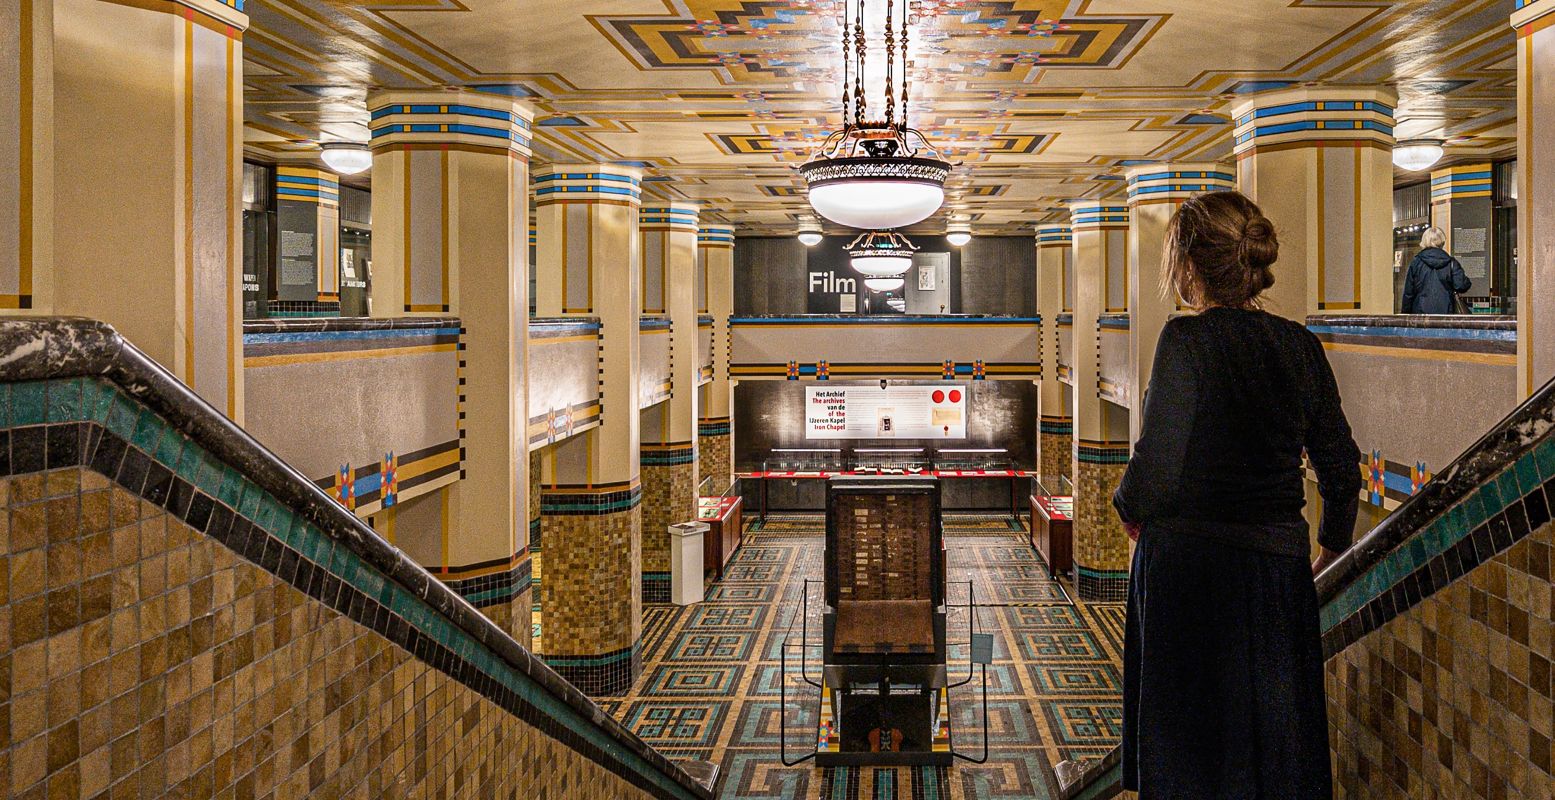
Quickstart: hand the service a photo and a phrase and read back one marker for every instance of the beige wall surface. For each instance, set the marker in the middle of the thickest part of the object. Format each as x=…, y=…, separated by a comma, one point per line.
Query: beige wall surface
x=563, y=384
x=310, y=412
x=1117, y=380
x=653, y=374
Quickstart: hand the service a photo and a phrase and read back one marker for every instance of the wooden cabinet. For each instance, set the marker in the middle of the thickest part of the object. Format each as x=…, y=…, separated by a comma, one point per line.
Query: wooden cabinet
x=723, y=516
x=1052, y=532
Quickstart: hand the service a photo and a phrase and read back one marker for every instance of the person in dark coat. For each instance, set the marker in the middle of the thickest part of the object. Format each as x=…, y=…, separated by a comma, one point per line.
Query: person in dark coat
x=1434, y=278
x=1223, y=667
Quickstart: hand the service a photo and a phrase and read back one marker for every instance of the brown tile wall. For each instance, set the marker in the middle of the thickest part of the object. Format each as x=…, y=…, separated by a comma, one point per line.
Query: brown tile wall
x=140, y=659
x=592, y=596
x=669, y=496
x=1099, y=540
x=1453, y=698
x=1054, y=456
x=717, y=459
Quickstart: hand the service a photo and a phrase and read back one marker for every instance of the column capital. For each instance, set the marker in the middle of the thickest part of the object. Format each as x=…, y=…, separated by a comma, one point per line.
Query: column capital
x=1090, y=215
x=223, y=16
x=449, y=119
x=1055, y=235
x=1173, y=182
x=1313, y=117
x=716, y=236
x=1530, y=12
x=675, y=216
x=307, y=185
x=608, y=184
x=1462, y=181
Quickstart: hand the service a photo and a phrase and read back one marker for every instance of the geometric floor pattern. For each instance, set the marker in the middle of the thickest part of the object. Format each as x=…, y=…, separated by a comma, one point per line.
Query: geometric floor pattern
x=713, y=673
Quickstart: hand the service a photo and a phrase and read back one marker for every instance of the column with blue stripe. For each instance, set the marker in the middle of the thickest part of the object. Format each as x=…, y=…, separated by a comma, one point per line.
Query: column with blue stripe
x=450, y=239
x=589, y=264
x=1319, y=163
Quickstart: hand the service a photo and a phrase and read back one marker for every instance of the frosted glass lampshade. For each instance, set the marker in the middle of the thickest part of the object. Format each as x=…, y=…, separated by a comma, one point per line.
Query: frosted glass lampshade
x=1417, y=154
x=881, y=266
x=884, y=284
x=346, y=158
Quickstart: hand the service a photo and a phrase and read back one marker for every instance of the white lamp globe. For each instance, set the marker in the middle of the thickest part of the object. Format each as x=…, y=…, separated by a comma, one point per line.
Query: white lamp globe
x=881, y=266
x=958, y=233
x=346, y=158
x=809, y=234
x=884, y=284
x=1417, y=154
x=876, y=204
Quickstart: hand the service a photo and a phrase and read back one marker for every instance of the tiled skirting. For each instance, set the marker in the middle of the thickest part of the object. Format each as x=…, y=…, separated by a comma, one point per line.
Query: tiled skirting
x=128, y=518
x=591, y=592
x=669, y=477
x=1101, y=547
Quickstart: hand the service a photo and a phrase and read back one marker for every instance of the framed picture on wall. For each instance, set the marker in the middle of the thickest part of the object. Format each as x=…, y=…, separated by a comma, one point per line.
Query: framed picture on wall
x=926, y=277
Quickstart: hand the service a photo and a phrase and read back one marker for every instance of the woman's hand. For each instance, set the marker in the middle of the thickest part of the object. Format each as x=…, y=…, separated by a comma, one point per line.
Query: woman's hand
x=1323, y=560
x=1133, y=530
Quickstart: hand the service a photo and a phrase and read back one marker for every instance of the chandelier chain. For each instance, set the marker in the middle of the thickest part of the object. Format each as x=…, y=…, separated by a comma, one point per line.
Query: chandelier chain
x=890, y=63
x=906, y=71
x=861, y=51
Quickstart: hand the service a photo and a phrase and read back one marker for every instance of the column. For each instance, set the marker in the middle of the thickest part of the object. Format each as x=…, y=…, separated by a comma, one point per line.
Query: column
x=307, y=203
x=1319, y=163
x=148, y=157
x=27, y=167
x=1462, y=206
x=715, y=428
x=669, y=446
x=1055, y=422
x=450, y=206
x=1154, y=193
x=1535, y=25
x=588, y=264
x=1101, y=548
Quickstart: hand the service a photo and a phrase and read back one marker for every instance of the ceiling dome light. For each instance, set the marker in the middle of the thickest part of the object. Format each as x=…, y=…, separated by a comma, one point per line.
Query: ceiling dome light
x=881, y=254
x=869, y=174
x=884, y=284
x=958, y=233
x=346, y=158
x=1417, y=154
x=809, y=234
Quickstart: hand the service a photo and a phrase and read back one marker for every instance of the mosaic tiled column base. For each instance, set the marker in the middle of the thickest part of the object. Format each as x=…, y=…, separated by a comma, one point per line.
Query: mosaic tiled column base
x=1054, y=443
x=669, y=496
x=502, y=595
x=593, y=620
x=715, y=440
x=1101, y=549
x=534, y=551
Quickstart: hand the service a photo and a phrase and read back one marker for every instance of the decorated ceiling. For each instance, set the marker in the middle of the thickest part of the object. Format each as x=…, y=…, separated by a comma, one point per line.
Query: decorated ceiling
x=1039, y=101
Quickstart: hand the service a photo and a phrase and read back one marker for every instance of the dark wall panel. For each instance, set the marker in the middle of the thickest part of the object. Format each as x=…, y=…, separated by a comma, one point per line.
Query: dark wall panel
x=990, y=275
x=770, y=414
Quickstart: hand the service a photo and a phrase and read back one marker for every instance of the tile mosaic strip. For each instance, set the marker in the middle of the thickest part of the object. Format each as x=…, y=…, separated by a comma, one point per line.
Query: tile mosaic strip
x=654, y=455
x=76, y=394
x=713, y=427
x=581, y=503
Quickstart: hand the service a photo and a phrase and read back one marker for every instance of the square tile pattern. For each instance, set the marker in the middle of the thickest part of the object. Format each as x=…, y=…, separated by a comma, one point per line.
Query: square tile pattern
x=713, y=676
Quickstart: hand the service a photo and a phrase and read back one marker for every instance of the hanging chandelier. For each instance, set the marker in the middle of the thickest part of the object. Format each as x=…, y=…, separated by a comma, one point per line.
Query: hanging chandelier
x=881, y=254
x=875, y=173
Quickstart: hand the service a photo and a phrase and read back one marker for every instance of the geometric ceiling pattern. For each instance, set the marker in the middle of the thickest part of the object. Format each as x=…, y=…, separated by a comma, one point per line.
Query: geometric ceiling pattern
x=1039, y=101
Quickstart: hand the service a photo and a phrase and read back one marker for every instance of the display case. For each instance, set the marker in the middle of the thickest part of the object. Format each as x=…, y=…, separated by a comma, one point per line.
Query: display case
x=1052, y=526
x=725, y=531
x=803, y=462
x=973, y=460
x=890, y=461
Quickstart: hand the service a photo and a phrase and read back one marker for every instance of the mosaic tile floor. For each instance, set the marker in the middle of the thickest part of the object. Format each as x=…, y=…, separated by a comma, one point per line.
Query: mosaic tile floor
x=712, y=672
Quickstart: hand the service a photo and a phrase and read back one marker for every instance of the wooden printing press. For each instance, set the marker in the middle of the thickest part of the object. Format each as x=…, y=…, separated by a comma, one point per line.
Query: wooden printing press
x=884, y=688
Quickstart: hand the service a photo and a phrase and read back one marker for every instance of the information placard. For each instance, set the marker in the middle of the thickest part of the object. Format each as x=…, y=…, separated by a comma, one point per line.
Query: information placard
x=895, y=412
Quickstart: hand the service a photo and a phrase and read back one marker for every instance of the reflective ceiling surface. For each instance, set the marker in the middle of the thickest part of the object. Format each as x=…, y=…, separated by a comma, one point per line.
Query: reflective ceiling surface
x=717, y=100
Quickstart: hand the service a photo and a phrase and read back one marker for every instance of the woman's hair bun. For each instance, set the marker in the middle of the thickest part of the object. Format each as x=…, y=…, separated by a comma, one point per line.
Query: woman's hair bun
x=1258, y=247
x=1219, y=250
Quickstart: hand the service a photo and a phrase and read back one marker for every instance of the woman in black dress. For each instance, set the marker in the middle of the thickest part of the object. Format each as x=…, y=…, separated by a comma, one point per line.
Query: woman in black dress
x=1223, y=670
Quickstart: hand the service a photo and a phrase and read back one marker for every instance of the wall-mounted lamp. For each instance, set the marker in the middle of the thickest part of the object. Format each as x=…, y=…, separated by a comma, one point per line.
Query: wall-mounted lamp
x=958, y=233
x=809, y=233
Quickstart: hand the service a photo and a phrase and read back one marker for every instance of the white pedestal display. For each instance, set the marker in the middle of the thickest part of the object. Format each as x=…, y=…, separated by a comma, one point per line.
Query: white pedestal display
x=686, y=562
